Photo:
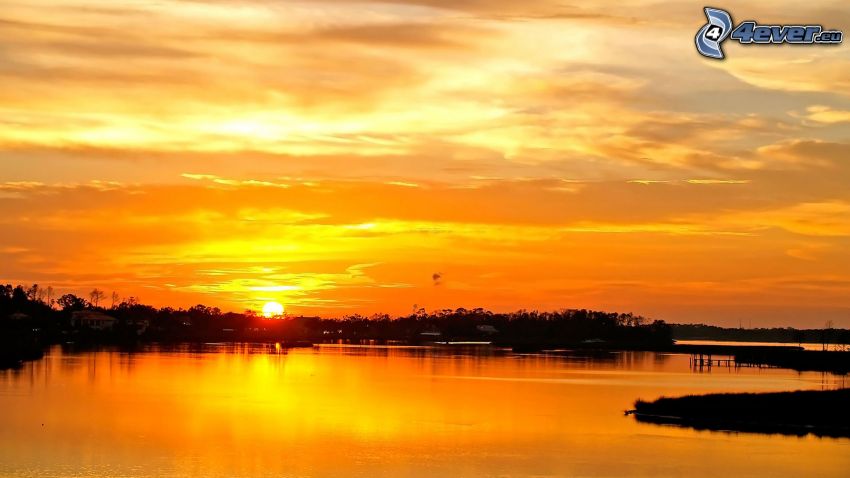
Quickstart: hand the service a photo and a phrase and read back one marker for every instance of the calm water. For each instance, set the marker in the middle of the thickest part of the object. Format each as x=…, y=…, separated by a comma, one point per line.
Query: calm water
x=370, y=412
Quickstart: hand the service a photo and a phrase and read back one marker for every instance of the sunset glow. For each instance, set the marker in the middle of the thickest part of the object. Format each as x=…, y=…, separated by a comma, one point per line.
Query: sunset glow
x=272, y=309
x=363, y=157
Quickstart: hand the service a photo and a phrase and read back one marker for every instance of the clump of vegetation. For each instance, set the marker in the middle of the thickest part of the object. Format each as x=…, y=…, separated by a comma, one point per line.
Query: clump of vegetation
x=800, y=412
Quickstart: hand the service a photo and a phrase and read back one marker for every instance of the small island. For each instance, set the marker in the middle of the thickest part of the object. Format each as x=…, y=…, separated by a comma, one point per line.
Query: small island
x=818, y=412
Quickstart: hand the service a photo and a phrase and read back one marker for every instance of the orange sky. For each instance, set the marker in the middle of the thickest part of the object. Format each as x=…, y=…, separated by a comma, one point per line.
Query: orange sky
x=335, y=155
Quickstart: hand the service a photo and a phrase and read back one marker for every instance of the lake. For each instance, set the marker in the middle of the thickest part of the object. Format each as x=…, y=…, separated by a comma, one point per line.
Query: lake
x=335, y=411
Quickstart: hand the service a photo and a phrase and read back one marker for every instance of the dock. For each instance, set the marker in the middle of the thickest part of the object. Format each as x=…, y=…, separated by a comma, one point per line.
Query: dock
x=762, y=356
x=699, y=361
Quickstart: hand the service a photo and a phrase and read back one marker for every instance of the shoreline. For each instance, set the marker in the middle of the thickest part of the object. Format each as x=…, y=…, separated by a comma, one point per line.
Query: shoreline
x=822, y=413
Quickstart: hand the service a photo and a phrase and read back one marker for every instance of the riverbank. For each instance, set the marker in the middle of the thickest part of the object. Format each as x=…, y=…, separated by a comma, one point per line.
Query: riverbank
x=16, y=350
x=821, y=413
x=19, y=342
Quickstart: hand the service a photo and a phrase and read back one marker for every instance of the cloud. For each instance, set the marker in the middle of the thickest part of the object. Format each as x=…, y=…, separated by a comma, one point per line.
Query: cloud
x=21, y=185
x=234, y=182
x=807, y=153
x=232, y=248
x=827, y=218
x=717, y=181
x=826, y=115
x=235, y=149
x=824, y=72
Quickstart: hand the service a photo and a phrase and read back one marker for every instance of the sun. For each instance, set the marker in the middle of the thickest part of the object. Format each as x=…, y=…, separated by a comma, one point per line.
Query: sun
x=272, y=309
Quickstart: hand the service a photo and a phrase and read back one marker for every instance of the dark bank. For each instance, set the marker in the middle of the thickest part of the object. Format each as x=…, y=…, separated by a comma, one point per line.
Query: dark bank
x=821, y=413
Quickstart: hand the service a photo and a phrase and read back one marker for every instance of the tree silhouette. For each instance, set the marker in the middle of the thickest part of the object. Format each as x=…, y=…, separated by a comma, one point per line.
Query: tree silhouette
x=33, y=292
x=71, y=302
x=95, y=296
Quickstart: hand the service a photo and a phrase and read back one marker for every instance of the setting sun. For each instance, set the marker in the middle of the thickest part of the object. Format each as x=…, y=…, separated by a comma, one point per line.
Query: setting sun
x=272, y=309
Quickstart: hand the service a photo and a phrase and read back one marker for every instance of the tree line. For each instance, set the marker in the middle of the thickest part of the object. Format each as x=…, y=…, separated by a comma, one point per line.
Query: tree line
x=51, y=317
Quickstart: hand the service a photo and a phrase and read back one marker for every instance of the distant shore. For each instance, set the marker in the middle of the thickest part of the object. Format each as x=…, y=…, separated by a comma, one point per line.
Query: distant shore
x=821, y=413
x=31, y=321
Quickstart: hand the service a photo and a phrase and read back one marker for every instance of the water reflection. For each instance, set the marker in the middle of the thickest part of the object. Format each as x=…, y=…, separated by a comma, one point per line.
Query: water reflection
x=256, y=410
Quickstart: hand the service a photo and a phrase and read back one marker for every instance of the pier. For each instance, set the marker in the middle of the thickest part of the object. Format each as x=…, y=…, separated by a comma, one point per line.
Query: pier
x=761, y=356
x=735, y=356
x=699, y=361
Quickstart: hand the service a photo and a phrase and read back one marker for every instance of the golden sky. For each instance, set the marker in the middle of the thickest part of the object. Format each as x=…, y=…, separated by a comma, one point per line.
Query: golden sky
x=341, y=157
